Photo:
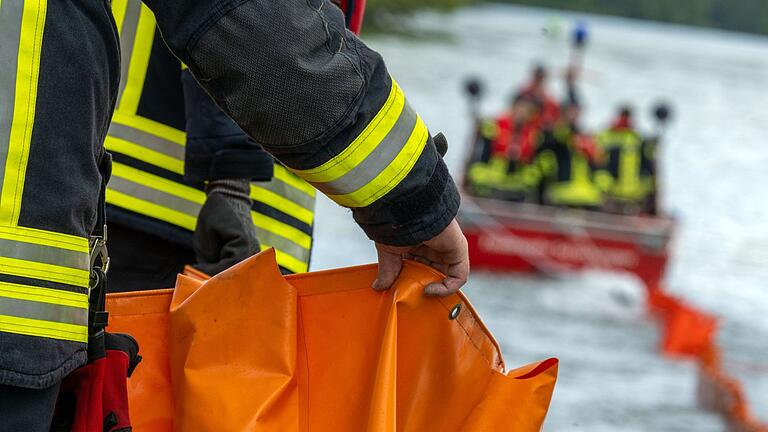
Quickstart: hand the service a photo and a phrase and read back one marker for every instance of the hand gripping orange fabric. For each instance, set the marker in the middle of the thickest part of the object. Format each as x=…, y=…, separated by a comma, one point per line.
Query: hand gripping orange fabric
x=251, y=350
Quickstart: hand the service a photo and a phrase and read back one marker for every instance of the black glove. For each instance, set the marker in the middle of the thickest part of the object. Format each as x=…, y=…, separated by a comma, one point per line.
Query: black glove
x=225, y=234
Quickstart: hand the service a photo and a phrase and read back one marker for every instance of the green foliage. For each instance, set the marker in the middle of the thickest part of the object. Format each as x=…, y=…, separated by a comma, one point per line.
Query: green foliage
x=390, y=16
x=740, y=15
x=403, y=6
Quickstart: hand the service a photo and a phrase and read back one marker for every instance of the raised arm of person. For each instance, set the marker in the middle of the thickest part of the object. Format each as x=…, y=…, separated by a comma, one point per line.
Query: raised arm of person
x=322, y=102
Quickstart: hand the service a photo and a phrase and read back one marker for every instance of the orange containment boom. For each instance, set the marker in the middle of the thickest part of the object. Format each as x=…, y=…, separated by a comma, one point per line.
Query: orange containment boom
x=252, y=350
x=691, y=333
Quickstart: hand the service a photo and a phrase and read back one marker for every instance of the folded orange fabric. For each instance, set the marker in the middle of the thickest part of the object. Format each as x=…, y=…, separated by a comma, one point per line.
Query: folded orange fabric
x=252, y=350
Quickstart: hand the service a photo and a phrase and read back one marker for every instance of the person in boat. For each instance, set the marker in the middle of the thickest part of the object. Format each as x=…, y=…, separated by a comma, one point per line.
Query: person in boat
x=565, y=162
x=536, y=89
x=571, y=78
x=648, y=168
x=627, y=172
x=288, y=73
x=510, y=142
x=516, y=129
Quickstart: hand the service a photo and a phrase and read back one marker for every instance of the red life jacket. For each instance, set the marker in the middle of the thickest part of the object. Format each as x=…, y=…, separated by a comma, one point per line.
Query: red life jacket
x=621, y=123
x=587, y=146
x=550, y=109
x=509, y=135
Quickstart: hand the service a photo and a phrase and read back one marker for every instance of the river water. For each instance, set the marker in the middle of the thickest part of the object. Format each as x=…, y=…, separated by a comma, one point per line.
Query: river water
x=715, y=182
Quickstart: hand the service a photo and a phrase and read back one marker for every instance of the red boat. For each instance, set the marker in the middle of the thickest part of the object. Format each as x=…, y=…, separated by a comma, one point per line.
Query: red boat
x=518, y=237
x=523, y=237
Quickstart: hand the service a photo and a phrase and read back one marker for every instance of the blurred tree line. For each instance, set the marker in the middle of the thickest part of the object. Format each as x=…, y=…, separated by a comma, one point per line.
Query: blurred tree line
x=401, y=6
x=740, y=15
x=386, y=15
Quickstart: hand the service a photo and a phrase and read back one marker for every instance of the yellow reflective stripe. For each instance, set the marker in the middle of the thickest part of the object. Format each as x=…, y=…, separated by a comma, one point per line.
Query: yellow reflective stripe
x=137, y=70
x=118, y=12
x=163, y=211
x=25, y=101
x=279, y=202
x=377, y=160
x=146, y=139
x=144, y=154
x=281, y=173
x=158, y=183
x=282, y=229
x=186, y=221
x=629, y=167
x=166, y=132
x=392, y=175
x=365, y=143
x=293, y=264
x=547, y=161
x=47, y=329
x=579, y=168
x=44, y=238
x=42, y=271
x=43, y=295
x=151, y=209
x=575, y=194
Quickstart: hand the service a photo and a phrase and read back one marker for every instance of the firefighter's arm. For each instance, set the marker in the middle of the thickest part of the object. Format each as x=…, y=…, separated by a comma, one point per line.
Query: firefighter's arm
x=323, y=103
x=216, y=147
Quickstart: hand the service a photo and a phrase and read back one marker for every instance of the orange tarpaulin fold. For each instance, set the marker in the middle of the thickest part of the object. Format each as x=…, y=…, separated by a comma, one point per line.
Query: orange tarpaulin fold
x=251, y=350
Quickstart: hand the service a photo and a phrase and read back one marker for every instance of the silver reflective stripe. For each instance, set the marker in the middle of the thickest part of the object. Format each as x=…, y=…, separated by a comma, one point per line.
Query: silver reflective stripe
x=155, y=196
x=380, y=158
x=148, y=140
x=44, y=254
x=127, y=38
x=11, y=12
x=43, y=311
x=192, y=209
x=288, y=192
x=281, y=243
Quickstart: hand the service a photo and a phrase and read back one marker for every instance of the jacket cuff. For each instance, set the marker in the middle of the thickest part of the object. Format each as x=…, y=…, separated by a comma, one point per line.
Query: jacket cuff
x=416, y=217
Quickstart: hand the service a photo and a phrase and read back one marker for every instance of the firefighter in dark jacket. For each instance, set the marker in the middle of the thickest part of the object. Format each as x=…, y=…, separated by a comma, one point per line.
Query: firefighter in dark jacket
x=627, y=173
x=564, y=164
x=308, y=91
x=167, y=139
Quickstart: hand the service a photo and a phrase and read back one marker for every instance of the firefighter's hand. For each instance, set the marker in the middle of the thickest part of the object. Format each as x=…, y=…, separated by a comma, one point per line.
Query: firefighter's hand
x=447, y=252
x=225, y=234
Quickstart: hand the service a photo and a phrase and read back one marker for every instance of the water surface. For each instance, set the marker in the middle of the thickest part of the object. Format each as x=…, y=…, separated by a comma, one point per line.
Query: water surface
x=715, y=179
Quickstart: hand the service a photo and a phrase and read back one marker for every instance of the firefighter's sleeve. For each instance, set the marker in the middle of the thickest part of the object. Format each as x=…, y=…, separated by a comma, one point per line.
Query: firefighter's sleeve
x=217, y=148
x=322, y=102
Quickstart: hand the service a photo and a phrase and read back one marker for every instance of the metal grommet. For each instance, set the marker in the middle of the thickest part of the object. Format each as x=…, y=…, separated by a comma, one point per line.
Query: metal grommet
x=455, y=311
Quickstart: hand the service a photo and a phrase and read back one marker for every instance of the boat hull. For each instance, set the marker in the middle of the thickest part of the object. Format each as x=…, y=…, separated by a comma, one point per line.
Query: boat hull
x=529, y=238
